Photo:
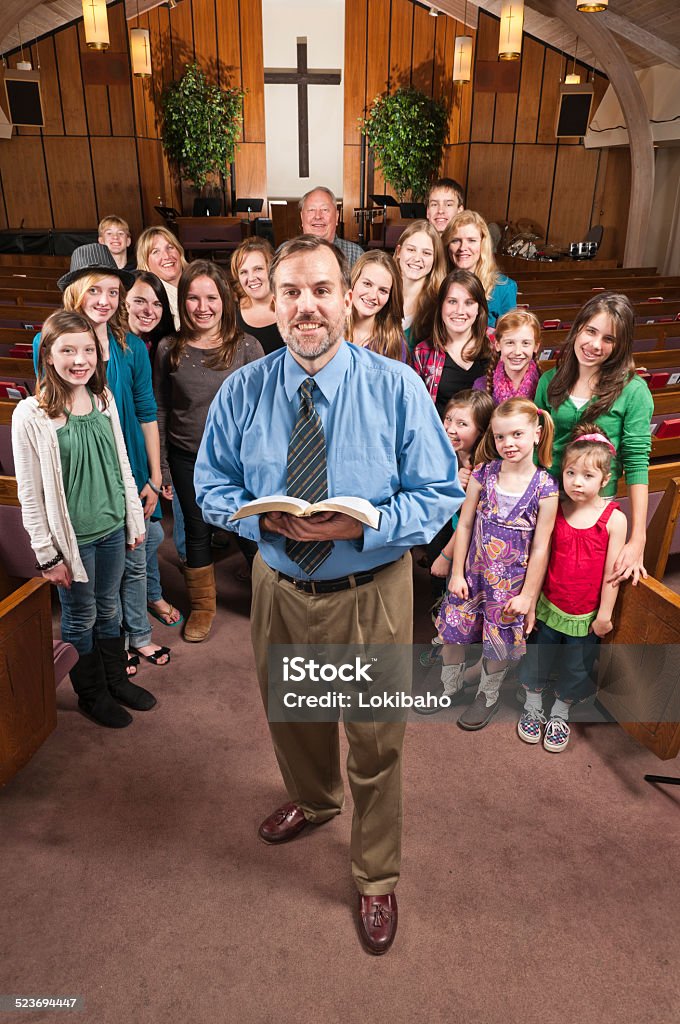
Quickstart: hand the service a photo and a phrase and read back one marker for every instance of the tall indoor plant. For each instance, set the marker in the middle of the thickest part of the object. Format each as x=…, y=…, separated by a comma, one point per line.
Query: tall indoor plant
x=200, y=125
x=406, y=130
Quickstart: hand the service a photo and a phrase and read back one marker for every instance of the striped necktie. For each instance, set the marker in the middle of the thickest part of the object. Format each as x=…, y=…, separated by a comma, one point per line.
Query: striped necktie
x=307, y=475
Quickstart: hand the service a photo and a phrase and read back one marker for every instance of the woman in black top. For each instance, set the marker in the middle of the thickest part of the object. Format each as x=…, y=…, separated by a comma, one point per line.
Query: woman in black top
x=255, y=313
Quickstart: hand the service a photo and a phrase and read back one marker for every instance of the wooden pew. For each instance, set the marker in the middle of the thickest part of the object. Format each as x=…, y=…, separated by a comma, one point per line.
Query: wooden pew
x=661, y=530
x=532, y=270
x=18, y=370
x=646, y=311
x=32, y=314
x=30, y=662
x=29, y=297
x=567, y=284
x=639, y=666
x=577, y=297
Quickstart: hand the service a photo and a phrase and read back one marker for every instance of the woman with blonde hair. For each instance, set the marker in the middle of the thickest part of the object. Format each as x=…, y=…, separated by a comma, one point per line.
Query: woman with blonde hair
x=421, y=259
x=159, y=251
x=255, y=314
x=467, y=243
x=377, y=306
x=188, y=372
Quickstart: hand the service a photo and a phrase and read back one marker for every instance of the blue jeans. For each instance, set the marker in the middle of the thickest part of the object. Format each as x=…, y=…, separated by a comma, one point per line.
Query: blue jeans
x=92, y=610
x=154, y=539
x=133, y=597
x=573, y=656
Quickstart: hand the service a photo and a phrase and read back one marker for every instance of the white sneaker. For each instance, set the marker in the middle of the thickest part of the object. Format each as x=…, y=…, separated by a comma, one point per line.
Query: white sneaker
x=556, y=735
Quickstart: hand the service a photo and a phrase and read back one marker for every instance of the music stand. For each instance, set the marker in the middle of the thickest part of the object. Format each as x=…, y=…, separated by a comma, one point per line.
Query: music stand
x=248, y=206
x=384, y=201
x=169, y=214
x=413, y=211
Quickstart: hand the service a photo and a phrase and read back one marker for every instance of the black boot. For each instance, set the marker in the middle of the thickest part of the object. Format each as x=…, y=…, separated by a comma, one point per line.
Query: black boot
x=114, y=657
x=94, y=699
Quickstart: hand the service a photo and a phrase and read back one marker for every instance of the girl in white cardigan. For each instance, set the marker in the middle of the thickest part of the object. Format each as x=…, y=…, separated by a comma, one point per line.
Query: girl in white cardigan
x=79, y=501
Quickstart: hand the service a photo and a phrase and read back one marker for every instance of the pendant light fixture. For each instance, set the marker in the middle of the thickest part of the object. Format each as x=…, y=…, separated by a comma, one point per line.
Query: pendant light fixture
x=512, y=22
x=591, y=6
x=140, y=50
x=573, y=78
x=462, y=54
x=96, y=24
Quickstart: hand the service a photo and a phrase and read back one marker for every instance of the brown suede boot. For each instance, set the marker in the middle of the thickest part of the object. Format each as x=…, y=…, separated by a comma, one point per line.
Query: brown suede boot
x=202, y=599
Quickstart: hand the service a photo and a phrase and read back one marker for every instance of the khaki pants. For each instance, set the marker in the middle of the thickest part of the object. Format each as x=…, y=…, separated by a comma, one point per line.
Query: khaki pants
x=309, y=753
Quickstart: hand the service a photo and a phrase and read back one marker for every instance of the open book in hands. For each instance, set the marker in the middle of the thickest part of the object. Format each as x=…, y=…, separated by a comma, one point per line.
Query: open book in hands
x=358, y=508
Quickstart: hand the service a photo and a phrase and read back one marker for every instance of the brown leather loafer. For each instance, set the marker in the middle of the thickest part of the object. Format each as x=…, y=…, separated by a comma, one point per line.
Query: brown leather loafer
x=378, y=922
x=284, y=824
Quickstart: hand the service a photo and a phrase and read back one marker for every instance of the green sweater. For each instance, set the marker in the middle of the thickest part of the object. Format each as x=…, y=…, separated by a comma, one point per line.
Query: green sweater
x=626, y=424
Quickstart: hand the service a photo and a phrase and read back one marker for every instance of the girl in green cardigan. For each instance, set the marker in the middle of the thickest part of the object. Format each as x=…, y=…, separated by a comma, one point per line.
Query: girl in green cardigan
x=596, y=381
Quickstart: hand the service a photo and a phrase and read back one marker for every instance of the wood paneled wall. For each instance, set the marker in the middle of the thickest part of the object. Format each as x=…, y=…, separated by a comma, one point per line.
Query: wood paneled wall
x=501, y=146
x=100, y=151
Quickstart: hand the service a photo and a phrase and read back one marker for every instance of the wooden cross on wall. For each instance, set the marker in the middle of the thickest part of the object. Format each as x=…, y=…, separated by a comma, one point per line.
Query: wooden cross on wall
x=302, y=77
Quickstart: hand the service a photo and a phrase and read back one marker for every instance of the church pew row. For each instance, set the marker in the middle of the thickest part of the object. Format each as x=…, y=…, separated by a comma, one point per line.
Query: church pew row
x=31, y=664
x=652, y=295
x=30, y=297
x=526, y=270
x=568, y=283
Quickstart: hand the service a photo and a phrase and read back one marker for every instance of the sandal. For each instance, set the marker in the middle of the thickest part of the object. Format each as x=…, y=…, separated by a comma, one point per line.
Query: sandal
x=153, y=658
x=132, y=663
x=164, y=616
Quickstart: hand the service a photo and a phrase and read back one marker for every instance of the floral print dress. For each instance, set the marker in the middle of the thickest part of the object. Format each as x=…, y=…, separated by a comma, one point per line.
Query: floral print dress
x=495, y=567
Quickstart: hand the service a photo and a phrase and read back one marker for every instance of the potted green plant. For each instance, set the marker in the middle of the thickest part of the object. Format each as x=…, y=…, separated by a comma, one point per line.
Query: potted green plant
x=200, y=125
x=406, y=130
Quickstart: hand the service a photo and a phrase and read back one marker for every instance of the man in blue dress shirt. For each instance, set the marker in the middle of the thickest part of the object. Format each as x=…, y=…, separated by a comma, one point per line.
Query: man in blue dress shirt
x=383, y=442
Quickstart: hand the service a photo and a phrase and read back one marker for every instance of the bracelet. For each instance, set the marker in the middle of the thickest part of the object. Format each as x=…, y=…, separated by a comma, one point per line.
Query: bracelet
x=49, y=565
x=156, y=490
x=445, y=556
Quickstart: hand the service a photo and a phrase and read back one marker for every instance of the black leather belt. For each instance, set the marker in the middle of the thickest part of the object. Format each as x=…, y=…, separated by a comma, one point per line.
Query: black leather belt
x=356, y=579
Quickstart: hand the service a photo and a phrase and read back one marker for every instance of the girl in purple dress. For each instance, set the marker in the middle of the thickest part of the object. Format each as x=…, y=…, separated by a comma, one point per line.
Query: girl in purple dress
x=500, y=553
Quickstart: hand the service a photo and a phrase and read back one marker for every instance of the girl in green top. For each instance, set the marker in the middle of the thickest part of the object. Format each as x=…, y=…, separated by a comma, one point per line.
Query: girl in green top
x=79, y=501
x=596, y=381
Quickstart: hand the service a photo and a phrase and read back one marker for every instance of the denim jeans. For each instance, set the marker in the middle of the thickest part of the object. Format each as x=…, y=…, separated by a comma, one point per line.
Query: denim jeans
x=154, y=539
x=133, y=597
x=178, y=531
x=92, y=610
x=573, y=657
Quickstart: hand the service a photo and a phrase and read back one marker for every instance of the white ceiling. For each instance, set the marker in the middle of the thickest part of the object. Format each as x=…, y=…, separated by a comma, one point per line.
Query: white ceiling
x=647, y=30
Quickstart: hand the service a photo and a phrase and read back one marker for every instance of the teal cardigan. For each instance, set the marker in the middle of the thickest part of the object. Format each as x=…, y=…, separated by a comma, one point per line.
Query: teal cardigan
x=626, y=424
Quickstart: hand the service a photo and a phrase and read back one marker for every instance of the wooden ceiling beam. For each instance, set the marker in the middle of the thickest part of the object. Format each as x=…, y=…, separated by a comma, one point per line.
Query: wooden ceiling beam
x=647, y=41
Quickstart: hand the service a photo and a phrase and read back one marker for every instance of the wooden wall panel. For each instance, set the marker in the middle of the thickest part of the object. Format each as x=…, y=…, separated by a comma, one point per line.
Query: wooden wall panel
x=377, y=68
x=575, y=177
x=3, y=215
x=252, y=65
x=24, y=181
x=160, y=27
x=355, y=69
x=205, y=39
x=612, y=194
x=489, y=180
x=251, y=170
x=96, y=98
x=70, y=80
x=228, y=43
x=401, y=40
x=181, y=37
x=529, y=91
x=553, y=73
x=116, y=177
x=69, y=171
x=351, y=189
x=54, y=121
x=533, y=169
x=455, y=163
x=120, y=96
x=442, y=81
x=152, y=178
x=483, y=104
x=422, y=58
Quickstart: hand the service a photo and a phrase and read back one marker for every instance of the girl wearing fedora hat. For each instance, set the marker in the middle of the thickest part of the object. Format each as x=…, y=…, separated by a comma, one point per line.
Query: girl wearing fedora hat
x=95, y=286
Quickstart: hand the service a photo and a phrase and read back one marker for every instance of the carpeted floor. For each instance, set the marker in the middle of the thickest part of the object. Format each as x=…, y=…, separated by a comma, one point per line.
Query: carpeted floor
x=534, y=887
